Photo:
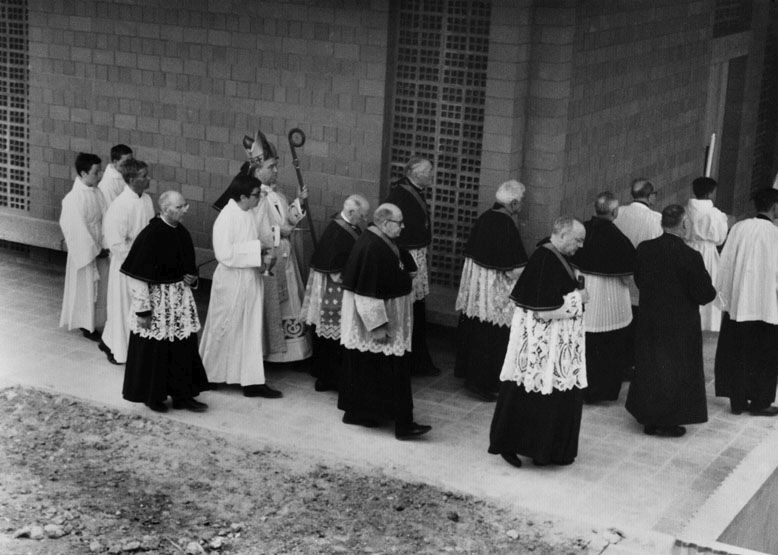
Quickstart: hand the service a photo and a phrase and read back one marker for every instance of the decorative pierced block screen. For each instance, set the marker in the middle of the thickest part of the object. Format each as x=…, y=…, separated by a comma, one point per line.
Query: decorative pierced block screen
x=767, y=116
x=14, y=106
x=441, y=50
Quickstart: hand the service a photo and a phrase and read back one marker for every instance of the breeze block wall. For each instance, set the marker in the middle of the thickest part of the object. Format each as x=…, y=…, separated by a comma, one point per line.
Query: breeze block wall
x=182, y=82
x=638, y=98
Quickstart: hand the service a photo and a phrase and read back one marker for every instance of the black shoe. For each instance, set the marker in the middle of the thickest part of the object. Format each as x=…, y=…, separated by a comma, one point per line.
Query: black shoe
x=664, y=431
x=512, y=459
x=766, y=411
x=482, y=394
x=350, y=418
x=91, y=335
x=537, y=462
x=562, y=462
x=157, y=406
x=108, y=354
x=187, y=403
x=411, y=431
x=211, y=387
x=263, y=390
x=321, y=385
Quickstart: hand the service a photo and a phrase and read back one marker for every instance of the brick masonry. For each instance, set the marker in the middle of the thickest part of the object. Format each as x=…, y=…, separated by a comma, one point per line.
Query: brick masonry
x=181, y=84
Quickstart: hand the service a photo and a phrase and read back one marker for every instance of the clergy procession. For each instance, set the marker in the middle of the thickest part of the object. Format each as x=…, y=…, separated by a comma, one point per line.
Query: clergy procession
x=617, y=301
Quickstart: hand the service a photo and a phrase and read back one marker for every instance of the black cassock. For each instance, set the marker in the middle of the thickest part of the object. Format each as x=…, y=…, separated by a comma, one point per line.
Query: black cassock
x=162, y=254
x=606, y=252
x=330, y=257
x=375, y=385
x=668, y=388
x=494, y=244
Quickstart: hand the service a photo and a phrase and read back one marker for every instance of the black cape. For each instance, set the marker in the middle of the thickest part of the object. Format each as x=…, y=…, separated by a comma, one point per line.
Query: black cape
x=543, y=283
x=668, y=388
x=606, y=250
x=334, y=246
x=161, y=254
x=416, y=215
x=495, y=242
x=373, y=270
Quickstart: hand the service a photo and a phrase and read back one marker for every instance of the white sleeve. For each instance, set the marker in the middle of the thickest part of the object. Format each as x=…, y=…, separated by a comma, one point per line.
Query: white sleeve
x=372, y=311
x=573, y=306
x=240, y=254
x=139, y=295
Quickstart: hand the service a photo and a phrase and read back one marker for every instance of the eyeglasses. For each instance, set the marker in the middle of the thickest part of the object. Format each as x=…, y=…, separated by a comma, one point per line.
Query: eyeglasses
x=255, y=195
x=398, y=222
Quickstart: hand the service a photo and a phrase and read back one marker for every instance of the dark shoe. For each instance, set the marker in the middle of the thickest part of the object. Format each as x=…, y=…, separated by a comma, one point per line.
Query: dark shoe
x=350, y=418
x=211, y=387
x=91, y=335
x=664, y=431
x=187, y=403
x=482, y=394
x=512, y=459
x=766, y=411
x=737, y=409
x=321, y=385
x=263, y=390
x=157, y=406
x=108, y=354
x=562, y=462
x=430, y=370
x=536, y=462
x=411, y=431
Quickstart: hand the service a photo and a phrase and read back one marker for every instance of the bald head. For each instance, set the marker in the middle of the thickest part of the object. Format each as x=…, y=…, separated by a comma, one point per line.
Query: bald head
x=170, y=198
x=355, y=209
x=568, y=235
x=172, y=206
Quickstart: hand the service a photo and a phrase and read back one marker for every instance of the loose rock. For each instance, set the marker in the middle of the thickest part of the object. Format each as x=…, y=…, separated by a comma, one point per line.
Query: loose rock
x=54, y=531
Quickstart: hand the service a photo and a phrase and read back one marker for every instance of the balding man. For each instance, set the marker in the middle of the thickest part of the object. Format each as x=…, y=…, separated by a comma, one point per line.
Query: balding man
x=323, y=294
x=375, y=328
x=408, y=194
x=607, y=260
x=162, y=357
x=538, y=412
x=639, y=223
x=668, y=389
x=494, y=258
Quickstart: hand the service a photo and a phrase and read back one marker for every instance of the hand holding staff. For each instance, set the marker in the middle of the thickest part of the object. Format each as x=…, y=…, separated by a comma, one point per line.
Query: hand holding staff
x=296, y=140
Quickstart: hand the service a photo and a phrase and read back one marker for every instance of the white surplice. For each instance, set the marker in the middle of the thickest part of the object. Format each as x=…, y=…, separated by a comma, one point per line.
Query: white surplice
x=484, y=293
x=609, y=306
x=708, y=230
x=86, y=283
x=127, y=215
x=639, y=223
x=231, y=344
x=747, y=280
x=111, y=184
x=273, y=210
x=361, y=314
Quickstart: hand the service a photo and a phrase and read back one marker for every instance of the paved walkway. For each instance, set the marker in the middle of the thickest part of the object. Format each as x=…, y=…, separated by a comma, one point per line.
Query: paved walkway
x=622, y=478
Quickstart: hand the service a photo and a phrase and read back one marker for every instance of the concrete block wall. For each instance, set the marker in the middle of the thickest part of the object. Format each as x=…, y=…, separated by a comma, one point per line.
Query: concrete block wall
x=181, y=83
x=637, y=101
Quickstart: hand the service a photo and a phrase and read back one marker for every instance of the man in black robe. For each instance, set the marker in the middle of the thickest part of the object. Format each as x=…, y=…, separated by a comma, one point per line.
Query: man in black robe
x=668, y=389
x=747, y=351
x=607, y=260
x=408, y=194
x=494, y=258
x=323, y=294
x=376, y=321
x=162, y=357
x=538, y=412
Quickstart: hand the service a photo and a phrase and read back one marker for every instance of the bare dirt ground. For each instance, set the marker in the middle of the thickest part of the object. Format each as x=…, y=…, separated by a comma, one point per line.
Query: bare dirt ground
x=86, y=478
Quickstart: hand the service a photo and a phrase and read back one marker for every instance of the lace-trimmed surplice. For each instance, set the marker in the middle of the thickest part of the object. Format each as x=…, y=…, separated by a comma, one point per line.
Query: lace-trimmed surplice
x=174, y=315
x=484, y=293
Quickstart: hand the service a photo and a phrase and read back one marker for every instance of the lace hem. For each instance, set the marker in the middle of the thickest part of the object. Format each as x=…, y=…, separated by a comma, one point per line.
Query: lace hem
x=484, y=294
x=547, y=354
x=421, y=282
x=322, y=304
x=174, y=313
x=355, y=335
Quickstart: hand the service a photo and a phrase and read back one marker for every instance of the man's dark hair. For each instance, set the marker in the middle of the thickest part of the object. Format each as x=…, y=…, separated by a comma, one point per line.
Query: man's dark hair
x=118, y=151
x=703, y=186
x=243, y=185
x=85, y=161
x=605, y=203
x=641, y=188
x=672, y=216
x=131, y=168
x=764, y=199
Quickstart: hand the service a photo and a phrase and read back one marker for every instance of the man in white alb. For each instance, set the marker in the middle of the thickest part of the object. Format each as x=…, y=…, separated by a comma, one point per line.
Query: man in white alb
x=112, y=183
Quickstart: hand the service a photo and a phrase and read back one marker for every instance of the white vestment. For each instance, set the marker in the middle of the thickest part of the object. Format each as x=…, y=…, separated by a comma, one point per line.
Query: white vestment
x=747, y=280
x=127, y=215
x=609, y=307
x=360, y=315
x=273, y=210
x=86, y=277
x=231, y=344
x=112, y=184
x=484, y=293
x=639, y=223
x=546, y=349
x=708, y=230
